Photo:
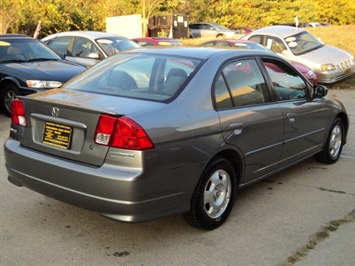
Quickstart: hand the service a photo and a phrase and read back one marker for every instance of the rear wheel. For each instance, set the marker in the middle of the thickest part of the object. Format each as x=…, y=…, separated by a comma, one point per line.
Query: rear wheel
x=214, y=196
x=334, y=145
x=10, y=92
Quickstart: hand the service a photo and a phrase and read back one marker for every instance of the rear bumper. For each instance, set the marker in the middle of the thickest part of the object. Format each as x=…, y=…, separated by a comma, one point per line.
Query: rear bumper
x=124, y=194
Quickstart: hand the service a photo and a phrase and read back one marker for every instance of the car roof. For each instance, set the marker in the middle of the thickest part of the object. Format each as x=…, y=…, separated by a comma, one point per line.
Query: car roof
x=2, y=36
x=155, y=38
x=88, y=34
x=195, y=52
x=282, y=31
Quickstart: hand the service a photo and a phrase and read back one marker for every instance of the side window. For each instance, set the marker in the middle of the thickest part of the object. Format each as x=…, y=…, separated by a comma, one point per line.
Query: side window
x=275, y=44
x=255, y=38
x=288, y=85
x=221, y=94
x=83, y=47
x=60, y=44
x=241, y=84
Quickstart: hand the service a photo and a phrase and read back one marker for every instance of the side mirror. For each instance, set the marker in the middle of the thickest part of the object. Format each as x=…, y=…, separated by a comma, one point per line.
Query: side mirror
x=320, y=91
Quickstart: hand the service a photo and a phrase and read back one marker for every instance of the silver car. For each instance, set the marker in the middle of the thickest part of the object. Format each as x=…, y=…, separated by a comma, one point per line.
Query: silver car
x=87, y=47
x=154, y=132
x=331, y=64
x=210, y=30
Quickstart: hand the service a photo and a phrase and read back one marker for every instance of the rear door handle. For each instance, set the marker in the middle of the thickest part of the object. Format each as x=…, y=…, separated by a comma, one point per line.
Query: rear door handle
x=236, y=127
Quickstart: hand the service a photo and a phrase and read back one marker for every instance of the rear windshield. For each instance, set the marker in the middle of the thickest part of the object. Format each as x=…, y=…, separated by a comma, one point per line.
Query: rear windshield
x=140, y=76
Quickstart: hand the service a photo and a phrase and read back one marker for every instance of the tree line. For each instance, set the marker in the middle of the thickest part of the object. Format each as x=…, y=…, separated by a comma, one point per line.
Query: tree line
x=22, y=16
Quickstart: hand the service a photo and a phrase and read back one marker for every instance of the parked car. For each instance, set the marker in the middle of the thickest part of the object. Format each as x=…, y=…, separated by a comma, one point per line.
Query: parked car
x=88, y=47
x=153, y=41
x=245, y=44
x=28, y=66
x=331, y=64
x=208, y=122
x=242, y=30
x=210, y=30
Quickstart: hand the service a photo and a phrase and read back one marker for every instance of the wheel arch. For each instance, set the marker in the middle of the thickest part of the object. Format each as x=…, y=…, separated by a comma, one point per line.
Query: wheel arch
x=235, y=159
x=6, y=81
x=345, y=120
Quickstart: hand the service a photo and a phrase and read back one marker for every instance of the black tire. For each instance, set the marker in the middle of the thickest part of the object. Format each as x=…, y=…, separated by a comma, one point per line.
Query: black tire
x=9, y=92
x=334, y=145
x=214, y=196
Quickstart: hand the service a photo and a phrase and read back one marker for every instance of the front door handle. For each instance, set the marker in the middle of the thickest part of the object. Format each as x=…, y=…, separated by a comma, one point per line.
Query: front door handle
x=291, y=117
x=236, y=127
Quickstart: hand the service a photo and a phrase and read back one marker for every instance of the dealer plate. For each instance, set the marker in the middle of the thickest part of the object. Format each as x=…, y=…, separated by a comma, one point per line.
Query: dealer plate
x=57, y=135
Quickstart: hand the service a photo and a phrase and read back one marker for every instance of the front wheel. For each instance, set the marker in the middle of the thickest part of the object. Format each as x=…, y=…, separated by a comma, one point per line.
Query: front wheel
x=334, y=145
x=9, y=93
x=214, y=195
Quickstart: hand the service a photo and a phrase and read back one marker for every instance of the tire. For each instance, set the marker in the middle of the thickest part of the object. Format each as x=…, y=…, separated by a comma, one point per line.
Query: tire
x=220, y=36
x=334, y=145
x=10, y=92
x=214, y=196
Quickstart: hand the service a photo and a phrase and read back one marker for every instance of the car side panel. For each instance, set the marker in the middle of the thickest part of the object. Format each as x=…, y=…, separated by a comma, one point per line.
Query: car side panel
x=258, y=132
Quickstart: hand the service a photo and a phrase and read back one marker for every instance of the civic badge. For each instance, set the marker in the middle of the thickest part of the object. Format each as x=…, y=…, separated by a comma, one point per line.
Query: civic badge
x=55, y=111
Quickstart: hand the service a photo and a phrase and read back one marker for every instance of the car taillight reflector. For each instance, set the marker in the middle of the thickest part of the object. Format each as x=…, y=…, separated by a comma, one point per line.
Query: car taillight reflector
x=18, y=113
x=122, y=133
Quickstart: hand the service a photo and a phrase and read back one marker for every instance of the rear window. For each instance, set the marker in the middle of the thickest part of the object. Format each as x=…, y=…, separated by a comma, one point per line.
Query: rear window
x=140, y=76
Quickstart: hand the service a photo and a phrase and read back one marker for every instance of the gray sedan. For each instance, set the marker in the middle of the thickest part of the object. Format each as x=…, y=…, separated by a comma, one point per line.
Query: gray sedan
x=331, y=64
x=154, y=132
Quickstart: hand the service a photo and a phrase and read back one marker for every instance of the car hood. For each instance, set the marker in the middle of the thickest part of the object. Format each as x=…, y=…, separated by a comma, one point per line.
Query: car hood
x=47, y=70
x=326, y=54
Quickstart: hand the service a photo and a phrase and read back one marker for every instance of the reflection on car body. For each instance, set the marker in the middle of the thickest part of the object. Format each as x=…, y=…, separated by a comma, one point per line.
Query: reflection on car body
x=148, y=133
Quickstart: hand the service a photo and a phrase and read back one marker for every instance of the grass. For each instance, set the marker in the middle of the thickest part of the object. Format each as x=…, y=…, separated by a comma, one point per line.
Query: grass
x=338, y=36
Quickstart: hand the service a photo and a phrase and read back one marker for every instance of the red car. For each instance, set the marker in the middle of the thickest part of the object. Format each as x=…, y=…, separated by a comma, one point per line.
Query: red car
x=242, y=30
x=244, y=44
x=153, y=41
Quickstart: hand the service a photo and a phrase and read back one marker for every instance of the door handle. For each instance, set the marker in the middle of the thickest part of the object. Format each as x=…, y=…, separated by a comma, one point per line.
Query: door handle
x=291, y=117
x=236, y=127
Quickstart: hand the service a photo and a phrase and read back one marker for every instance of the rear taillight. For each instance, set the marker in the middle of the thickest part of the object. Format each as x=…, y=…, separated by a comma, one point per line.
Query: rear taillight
x=18, y=113
x=122, y=133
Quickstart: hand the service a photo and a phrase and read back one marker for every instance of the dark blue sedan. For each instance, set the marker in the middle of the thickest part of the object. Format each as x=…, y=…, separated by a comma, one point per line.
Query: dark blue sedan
x=28, y=66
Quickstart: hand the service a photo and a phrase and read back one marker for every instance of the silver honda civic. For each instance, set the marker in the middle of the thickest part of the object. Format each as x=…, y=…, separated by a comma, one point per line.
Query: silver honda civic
x=154, y=132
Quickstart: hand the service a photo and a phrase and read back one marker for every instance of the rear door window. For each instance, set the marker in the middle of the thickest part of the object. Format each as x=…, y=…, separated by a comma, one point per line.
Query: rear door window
x=240, y=84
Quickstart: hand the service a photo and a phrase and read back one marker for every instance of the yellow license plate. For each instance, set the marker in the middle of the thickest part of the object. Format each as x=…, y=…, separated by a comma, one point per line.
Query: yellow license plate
x=57, y=135
x=347, y=70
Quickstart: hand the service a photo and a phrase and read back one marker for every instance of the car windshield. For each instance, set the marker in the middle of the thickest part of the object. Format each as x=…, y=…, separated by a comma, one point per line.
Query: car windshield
x=114, y=45
x=140, y=76
x=303, y=42
x=25, y=50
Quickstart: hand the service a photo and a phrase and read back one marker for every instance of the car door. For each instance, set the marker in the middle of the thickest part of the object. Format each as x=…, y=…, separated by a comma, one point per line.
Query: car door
x=248, y=118
x=80, y=51
x=304, y=117
x=208, y=31
x=59, y=44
